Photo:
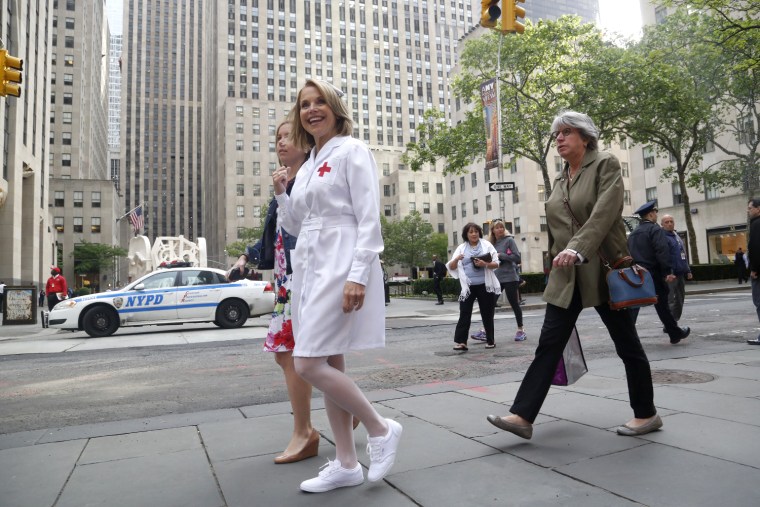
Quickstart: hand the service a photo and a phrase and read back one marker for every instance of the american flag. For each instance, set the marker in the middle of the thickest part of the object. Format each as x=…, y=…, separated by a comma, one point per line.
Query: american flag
x=136, y=219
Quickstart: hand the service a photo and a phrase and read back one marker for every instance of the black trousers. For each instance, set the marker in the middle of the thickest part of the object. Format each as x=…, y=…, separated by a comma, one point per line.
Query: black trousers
x=437, y=288
x=486, y=302
x=514, y=300
x=555, y=333
x=52, y=300
x=662, y=308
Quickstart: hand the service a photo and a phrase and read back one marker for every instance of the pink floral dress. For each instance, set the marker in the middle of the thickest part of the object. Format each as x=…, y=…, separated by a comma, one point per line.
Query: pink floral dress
x=280, y=334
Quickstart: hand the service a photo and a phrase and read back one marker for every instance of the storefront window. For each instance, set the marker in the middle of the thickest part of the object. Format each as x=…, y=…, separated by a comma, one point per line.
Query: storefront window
x=724, y=241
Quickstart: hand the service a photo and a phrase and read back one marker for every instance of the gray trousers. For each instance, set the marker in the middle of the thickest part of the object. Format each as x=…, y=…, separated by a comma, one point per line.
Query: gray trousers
x=676, y=295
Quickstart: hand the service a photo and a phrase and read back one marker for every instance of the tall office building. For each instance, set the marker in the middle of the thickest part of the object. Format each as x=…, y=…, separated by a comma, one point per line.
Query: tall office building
x=83, y=198
x=114, y=92
x=26, y=249
x=161, y=114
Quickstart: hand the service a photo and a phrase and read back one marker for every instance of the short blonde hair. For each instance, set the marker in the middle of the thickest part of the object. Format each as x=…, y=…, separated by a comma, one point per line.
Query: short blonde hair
x=344, y=126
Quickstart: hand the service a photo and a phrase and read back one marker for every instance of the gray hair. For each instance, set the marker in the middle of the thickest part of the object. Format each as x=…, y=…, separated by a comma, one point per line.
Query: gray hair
x=585, y=125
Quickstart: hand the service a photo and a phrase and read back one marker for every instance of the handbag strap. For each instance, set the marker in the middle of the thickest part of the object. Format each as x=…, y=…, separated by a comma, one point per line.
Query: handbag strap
x=606, y=263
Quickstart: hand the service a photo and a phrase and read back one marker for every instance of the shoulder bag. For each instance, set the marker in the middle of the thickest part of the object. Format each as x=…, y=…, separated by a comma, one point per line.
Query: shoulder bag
x=630, y=287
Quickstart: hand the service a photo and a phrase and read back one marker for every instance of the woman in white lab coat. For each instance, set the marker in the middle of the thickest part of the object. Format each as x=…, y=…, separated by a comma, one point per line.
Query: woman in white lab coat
x=337, y=285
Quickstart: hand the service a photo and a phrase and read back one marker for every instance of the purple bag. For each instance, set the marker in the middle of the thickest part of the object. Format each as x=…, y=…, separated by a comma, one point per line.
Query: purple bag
x=572, y=364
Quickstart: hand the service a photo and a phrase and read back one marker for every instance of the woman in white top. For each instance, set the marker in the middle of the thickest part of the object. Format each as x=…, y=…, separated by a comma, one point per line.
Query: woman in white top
x=337, y=285
x=473, y=263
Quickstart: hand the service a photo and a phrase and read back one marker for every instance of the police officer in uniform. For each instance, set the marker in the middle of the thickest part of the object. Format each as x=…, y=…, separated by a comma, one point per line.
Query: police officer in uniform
x=649, y=247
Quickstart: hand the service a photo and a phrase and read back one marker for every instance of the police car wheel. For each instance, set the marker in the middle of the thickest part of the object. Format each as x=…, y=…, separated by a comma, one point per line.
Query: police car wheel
x=231, y=313
x=100, y=321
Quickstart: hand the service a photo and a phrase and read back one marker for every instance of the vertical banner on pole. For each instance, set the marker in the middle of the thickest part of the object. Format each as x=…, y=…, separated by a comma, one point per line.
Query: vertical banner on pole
x=491, y=117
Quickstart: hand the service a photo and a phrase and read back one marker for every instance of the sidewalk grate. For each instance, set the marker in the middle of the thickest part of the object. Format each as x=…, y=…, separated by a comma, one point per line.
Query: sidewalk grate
x=413, y=376
x=680, y=377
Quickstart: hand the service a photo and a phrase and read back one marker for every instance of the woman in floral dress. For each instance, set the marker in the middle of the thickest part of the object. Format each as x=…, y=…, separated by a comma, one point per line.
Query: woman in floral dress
x=305, y=440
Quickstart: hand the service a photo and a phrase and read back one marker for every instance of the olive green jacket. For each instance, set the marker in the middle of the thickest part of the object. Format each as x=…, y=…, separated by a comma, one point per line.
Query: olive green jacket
x=596, y=198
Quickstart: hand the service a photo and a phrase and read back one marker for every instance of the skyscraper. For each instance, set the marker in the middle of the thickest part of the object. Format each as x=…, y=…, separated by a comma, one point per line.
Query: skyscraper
x=162, y=123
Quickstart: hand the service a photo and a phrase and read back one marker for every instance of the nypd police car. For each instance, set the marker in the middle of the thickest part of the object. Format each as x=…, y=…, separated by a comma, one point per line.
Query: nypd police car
x=167, y=296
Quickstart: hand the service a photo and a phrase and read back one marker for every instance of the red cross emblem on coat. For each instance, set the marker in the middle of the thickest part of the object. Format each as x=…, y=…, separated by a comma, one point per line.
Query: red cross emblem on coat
x=324, y=169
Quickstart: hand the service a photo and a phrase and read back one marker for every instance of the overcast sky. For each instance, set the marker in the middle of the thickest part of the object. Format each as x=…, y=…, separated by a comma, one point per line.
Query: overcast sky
x=113, y=10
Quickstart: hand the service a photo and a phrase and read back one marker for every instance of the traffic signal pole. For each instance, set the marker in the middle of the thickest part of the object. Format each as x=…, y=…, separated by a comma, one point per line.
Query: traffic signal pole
x=500, y=170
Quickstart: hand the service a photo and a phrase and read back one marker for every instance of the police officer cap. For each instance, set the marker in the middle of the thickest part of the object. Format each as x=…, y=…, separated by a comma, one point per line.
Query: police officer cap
x=646, y=208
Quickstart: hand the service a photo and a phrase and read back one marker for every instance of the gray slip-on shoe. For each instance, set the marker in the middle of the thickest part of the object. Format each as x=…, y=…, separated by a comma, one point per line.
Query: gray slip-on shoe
x=653, y=425
x=521, y=431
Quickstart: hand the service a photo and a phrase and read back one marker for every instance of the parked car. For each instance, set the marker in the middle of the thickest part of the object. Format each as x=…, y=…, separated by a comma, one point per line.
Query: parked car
x=167, y=296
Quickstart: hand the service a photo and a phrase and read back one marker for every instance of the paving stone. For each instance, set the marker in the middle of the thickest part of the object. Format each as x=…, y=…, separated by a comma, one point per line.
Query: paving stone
x=178, y=479
x=499, y=480
x=659, y=475
x=20, y=439
x=34, y=475
x=557, y=443
x=146, y=443
x=257, y=481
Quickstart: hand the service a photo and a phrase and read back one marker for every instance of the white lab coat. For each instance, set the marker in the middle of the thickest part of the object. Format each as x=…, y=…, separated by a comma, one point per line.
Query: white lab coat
x=334, y=209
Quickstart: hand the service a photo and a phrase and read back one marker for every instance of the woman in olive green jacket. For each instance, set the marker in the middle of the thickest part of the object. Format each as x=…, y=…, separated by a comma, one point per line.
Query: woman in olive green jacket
x=590, y=188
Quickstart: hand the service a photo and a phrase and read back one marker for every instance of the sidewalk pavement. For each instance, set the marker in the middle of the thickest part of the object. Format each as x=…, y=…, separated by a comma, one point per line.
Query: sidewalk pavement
x=708, y=452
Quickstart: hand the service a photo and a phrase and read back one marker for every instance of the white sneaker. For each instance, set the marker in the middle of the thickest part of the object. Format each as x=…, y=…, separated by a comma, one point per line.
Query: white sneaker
x=382, y=451
x=332, y=475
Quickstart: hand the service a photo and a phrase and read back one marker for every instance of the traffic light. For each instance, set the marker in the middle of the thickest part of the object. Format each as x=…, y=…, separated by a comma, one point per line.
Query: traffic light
x=512, y=11
x=10, y=74
x=489, y=13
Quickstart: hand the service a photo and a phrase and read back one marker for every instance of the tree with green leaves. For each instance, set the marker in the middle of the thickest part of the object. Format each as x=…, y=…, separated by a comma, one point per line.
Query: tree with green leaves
x=410, y=241
x=542, y=72
x=672, y=84
x=93, y=259
x=248, y=235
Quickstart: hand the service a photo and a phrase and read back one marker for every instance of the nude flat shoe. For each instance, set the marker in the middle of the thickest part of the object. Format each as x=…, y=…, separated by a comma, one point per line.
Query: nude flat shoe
x=309, y=450
x=653, y=425
x=525, y=432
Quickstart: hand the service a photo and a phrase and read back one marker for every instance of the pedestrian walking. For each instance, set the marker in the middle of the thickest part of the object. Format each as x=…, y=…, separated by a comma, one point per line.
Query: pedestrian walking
x=56, y=287
x=473, y=264
x=337, y=285
x=506, y=273
x=439, y=273
x=589, y=189
x=304, y=442
x=649, y=248
x=681, y=269
x=741, y=266
x=41, y=298
x=2, y=296
x=753, y=256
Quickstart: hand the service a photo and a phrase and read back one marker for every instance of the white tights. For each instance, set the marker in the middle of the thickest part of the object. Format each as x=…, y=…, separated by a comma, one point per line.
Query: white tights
x=343, y=398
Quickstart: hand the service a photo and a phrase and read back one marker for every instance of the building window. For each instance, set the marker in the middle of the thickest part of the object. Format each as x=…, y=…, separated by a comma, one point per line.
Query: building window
x=386, y=169
x=68, y=98
x=441, y=229
x=68, y=41
x=411, y=187
x=66, y=118
x=542, y=223
x=78, y=199
x=387, y=210
x=745, y=129
x=453, y=187
x=240, y=189
x=95, y=225
x=488, y=203
x=439, y=208
x=454, y=215
x=474, y=179
x=651, y=194
x=239, y=168
x=257, y=168
x=541, y=193
x=58, y=223
x=59, y=200
x=240, y=232
x=624, y=169
x=238, y=110
x=95, y=199
x=66, y=159
x=238, y=145
x=66, y=138
x=627, y=196
x=425, y=187
x=78, y=224
x=68, y=79
x=677, y=197
x=648, y=153
x=426, y=207
x=518, y=229
x=461, y=183
x=240, y=211
x=557, y=164
x=257, y=211
x=68, y=60
x=474, y=206
x=439, y=188
x=412, y=206
x=711, y=192
x=70, y=23
x=387, y=190
x=256, y=190
x=464, y=210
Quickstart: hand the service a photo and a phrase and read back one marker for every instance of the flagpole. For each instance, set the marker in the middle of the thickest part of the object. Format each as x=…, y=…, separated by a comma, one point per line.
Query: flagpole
x=130, y=211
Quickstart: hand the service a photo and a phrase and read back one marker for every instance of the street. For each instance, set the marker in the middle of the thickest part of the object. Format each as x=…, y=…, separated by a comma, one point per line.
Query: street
x=107, y=384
